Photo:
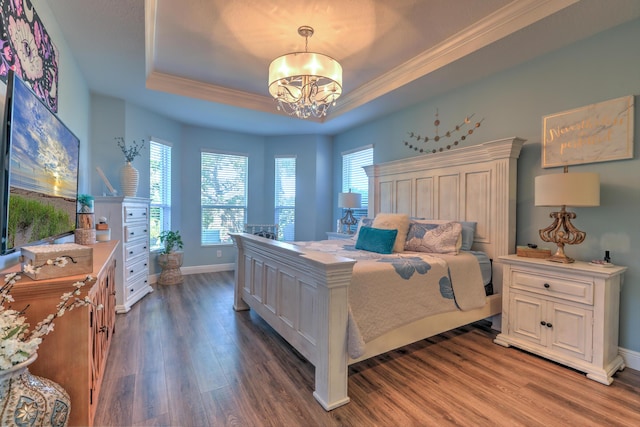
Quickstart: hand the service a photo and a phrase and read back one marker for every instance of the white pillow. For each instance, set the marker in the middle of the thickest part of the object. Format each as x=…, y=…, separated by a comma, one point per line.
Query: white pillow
x=389, y=221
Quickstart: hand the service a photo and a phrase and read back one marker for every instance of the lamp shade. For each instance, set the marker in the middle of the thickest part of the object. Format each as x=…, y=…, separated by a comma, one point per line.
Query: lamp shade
x=349, y=200
x=568, y=189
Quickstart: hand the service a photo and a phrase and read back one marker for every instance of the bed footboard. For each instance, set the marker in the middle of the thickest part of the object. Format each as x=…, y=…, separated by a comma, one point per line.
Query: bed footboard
x=304, y=297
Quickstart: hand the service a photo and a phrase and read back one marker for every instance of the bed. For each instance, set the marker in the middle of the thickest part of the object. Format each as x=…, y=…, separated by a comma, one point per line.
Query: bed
x=304, y=293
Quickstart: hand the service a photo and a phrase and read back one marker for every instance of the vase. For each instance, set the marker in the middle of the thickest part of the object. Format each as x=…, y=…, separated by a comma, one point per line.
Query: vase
x=28, y=400
x=129, y=177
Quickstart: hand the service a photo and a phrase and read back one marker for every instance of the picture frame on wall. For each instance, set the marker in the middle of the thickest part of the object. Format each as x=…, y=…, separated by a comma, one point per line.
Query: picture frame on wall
x=595, y=133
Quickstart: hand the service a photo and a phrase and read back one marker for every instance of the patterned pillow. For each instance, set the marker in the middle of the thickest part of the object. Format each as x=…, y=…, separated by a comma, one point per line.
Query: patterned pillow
x=376, y=240
x=468, y=230
x=389, y=221
x=440, y=239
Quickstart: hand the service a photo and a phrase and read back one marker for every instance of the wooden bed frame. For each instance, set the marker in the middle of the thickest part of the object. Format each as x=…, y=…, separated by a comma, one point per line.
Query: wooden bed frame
x=303, y=295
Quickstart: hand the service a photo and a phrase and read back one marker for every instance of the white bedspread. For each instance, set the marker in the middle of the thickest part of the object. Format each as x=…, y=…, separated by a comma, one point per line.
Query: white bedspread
x=388, y=291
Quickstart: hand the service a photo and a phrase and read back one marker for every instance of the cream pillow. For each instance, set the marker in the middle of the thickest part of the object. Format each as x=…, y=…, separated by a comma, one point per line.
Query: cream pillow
x=389, y=221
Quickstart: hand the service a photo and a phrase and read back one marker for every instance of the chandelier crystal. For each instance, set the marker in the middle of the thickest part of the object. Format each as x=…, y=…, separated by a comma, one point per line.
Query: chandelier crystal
x=305, y=84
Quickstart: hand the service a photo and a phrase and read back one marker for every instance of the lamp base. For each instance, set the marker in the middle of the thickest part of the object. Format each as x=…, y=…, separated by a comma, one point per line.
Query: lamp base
x=562, y=232
x=348, y=220
x=560, y=257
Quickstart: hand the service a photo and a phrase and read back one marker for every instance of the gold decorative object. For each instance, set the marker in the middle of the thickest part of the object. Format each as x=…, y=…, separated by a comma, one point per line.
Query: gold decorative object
x=565, y=189
x=448, y=134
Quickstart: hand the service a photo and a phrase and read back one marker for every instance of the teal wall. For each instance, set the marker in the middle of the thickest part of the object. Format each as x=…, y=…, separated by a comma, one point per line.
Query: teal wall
x=513, y=103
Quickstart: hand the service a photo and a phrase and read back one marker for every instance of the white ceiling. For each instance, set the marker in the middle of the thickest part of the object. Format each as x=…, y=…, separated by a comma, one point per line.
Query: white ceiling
x=205, y=62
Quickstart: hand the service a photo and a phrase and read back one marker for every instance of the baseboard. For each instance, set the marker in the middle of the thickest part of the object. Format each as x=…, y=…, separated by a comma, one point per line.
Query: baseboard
x=631, y=358
x=211, y=268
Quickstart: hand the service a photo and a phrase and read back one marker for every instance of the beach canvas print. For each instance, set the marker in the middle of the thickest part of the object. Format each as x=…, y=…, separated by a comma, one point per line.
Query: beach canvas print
x=43, y=173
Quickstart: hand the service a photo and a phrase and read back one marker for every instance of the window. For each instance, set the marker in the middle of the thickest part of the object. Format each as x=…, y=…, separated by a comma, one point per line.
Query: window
x=159, y=190
x=354, y=178
x=285, y=197
x=223, y=195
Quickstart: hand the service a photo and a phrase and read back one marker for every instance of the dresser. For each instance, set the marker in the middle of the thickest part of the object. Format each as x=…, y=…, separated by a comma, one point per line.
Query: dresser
x=568, y=313
x=128, y=219
x=74, y=354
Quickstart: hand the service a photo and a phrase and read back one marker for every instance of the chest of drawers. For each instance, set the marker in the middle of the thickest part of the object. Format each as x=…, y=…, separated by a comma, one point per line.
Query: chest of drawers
x=564, y=312
x=128, y=218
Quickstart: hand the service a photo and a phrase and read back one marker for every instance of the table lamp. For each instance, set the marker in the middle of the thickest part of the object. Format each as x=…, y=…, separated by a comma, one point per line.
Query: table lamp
x=565, y=189
x=349, y=201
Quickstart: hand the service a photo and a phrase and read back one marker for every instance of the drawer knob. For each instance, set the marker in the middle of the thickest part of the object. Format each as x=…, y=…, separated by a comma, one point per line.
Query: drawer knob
x=130, y=214
x=543, y=323
x=130, y=252
x=549, y=325
x=546, y=285
x=131, y=271
x=131, y=233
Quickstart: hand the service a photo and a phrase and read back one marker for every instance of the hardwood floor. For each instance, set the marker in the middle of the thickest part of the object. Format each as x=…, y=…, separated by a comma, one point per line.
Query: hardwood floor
x=183, y=357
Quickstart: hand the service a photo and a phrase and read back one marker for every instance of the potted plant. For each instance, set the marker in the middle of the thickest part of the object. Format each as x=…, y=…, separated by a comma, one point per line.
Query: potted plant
x=170, y=258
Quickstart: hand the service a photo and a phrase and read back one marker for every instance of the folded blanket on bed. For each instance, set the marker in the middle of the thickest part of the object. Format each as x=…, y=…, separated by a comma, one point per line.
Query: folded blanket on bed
x=388, y=291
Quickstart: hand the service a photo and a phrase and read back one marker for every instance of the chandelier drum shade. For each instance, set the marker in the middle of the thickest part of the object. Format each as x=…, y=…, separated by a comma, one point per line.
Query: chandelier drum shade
x=305, y=84
x=565, y=189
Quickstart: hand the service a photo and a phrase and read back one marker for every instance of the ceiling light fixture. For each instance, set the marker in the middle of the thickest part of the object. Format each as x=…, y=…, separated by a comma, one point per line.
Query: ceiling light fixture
x=305, y=84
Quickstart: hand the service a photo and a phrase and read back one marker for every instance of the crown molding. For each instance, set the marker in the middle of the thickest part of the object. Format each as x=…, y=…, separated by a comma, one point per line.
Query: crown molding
x=507, y=20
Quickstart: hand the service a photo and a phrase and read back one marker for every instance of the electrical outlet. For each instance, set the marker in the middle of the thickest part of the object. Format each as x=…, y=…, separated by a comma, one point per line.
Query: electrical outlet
x=219, y=253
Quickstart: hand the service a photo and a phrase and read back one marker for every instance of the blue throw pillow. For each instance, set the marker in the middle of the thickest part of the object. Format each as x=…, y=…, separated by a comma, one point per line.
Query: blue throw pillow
x=376, y=240
x=468, y=234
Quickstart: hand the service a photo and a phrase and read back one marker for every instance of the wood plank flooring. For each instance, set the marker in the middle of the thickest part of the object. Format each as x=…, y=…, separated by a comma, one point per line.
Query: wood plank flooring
x=183, y=357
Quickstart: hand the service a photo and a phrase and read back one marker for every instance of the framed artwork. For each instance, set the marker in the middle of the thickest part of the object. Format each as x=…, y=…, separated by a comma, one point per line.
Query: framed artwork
x=27, y=49
x=596, y=133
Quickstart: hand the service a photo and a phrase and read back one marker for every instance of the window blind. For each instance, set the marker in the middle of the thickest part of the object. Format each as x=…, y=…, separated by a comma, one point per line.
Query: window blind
x=223, y=196
x=354, y=177
x=159, y=190
x=285, y=197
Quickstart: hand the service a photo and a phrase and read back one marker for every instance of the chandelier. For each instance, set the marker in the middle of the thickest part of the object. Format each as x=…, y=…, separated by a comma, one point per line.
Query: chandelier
x=305, y=84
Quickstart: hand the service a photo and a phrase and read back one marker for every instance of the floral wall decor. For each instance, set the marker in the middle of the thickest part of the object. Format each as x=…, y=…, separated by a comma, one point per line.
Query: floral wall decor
x=441, y=142
x=26, y=48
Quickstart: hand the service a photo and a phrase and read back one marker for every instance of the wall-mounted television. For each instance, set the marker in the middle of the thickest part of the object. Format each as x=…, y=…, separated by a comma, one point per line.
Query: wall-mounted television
x=39, y=165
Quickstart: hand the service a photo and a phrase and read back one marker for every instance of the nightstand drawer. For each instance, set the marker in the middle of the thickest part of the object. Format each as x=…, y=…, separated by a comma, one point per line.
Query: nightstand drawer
x=555, y=286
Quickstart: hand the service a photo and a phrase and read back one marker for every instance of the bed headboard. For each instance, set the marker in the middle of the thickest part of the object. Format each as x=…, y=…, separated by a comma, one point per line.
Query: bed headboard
x=476, y=183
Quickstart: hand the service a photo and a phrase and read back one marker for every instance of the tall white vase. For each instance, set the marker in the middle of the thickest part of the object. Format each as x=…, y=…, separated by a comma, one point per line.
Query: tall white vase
x=129, y=177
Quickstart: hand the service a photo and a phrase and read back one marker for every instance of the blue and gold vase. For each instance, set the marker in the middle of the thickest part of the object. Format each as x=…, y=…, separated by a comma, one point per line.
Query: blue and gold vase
x=28, y=400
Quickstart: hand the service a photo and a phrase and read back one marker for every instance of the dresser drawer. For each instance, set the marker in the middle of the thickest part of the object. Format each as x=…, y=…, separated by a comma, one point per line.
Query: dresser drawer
x=135, y=213
x=136, y=267
x=132, y=250
x=136, y=284
x=135, y=232
x=555, y=286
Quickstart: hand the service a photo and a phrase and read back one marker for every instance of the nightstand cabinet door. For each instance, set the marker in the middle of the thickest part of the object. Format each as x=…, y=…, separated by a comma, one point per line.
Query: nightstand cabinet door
x=564, y=312
x=526, y=320
x=570, y=330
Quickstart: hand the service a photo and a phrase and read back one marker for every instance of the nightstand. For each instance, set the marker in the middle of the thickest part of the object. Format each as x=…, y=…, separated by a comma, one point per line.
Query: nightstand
x=332, y=235
x=568, y=313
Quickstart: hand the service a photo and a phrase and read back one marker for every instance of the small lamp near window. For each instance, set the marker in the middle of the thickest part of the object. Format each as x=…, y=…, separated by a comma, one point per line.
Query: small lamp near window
x=349, y=201
x=565, y=189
